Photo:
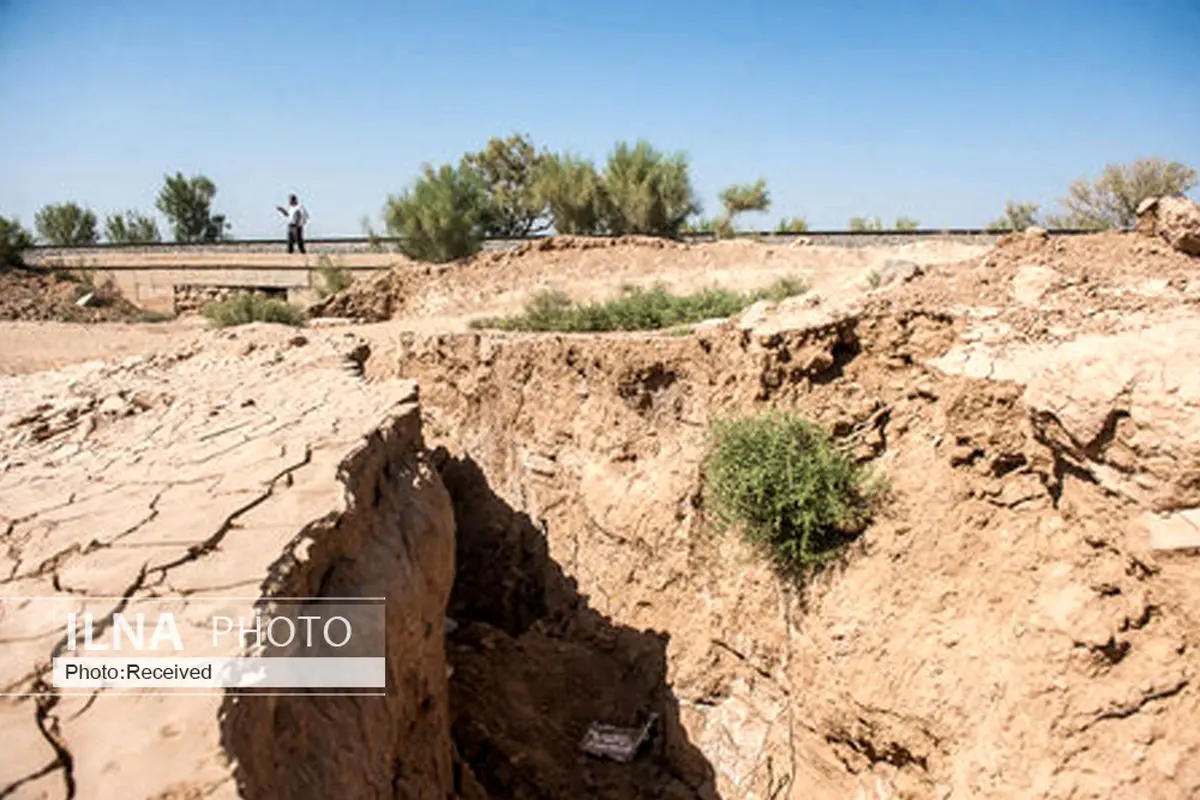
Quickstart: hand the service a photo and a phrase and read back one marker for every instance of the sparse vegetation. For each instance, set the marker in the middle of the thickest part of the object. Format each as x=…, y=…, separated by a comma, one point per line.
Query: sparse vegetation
x=131, y=227
x=1111, y=200
x=636, y=309
x=792, y=225
x=441, y=217
x=66, y=225
x=334, y=277
x=155, y=317
x=739, y=199
x=792, y=491
x=187, y=204
x=1017, y=217
x=13, y=240
x=874, y=279
x=246, y=307
x=864, y=225
x=906, y=224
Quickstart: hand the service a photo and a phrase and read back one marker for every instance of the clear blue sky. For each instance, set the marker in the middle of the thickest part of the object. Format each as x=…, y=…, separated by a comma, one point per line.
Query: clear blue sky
x=936, y=110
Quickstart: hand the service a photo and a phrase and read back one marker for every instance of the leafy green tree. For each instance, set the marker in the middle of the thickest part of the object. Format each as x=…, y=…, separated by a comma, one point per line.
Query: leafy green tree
x=793, y=225
x=738, y=199
x=906, y=224
x=1111, y=200
x=864, y=225
x=509, y=171
x=442, y=216
x=13, y=240
x=66, y=225
x=573, y=192
x=131, y=227
x=1017, y=217
x=187, y=204
x=648, y=192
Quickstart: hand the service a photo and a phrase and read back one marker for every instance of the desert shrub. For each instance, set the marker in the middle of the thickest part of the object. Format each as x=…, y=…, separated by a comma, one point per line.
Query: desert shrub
x=334, y=277
x=738, y=199
x=246, y=307
x=864, y=225
x=905, y=224
x=648, y=192
x=509, y=171
x=155, y=317
x=1017, y=217
x=636, y=309
x=1111, y=200
x=573, y=192
x=14, y=239
x=187, y=204
x=788, y=486
x=700, y=225
x=441, y=216
x=131, y=227
x=874, y=278
x=792, y=225
x=66, y=225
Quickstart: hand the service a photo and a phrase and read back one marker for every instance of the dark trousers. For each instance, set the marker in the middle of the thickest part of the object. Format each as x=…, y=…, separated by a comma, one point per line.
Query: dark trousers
x=295, y=237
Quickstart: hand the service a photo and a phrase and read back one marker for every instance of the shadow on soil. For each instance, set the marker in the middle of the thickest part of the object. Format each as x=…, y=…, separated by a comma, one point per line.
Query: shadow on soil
x=534, y=665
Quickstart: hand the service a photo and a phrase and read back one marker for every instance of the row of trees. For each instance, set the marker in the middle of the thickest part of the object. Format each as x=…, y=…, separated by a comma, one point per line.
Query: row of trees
x=511, y=188
x=185, y=202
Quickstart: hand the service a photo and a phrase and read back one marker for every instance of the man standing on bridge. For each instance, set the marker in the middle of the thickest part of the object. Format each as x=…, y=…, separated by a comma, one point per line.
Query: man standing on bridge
x=296, y=217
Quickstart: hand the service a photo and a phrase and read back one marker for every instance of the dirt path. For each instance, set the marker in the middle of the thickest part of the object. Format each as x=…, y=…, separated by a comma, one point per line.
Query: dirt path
x=36, y=346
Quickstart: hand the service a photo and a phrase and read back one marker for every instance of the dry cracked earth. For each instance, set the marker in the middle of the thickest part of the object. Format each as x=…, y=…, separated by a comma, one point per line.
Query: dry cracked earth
x=1018, y=621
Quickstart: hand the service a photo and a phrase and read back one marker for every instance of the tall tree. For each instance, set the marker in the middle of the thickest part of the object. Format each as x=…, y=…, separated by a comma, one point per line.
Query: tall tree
x=441, y=216
x=649, y=192
x=187, y=204
x=131, y=227
x=574, y=193
x=508, y=169
x=66, y=225
x=13, y=240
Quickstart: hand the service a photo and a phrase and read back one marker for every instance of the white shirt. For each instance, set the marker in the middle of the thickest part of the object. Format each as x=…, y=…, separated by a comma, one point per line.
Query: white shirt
x=296, y=215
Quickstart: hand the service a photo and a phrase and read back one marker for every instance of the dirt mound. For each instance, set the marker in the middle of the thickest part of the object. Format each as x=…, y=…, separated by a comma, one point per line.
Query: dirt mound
x=1175, y=219
x=45, y=296
x=445, y=297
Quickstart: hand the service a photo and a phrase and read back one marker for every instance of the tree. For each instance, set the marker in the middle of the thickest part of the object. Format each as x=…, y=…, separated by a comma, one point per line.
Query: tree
x=793, y=225
x=1111, y=200
x=648, y=192
x=1017, y=217
x=905, y=224
x=509, y=171
x=66, y=225
x=131, y=227
x=738, y=199
x=442, y=216
x=13, y=240
x=187, y=204
x=864, y=225
x=573, y=192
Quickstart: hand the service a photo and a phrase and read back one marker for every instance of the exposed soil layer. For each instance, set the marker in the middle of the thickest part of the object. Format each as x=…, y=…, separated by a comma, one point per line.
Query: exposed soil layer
x=48, y=296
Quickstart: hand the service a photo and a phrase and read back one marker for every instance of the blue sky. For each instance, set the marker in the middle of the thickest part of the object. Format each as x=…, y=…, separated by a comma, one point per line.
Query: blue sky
x=937, y=110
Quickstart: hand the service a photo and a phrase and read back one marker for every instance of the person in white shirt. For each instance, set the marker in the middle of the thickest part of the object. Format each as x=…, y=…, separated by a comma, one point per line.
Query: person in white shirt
x=296, y=217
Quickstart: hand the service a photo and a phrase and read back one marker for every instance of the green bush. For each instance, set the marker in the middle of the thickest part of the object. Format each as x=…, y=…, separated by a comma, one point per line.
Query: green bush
x=864, y=225
x=509, y=171
x=247, y=307
x=441, y=217
x=637, y=309
x=13, y=241
x=66, y=225
x=334, y=277
x=574, y=193
x=791, y=489
x=906, y=224
x=648, y=192
x=1111, y=201
x=1017, y=217
x=793, y=225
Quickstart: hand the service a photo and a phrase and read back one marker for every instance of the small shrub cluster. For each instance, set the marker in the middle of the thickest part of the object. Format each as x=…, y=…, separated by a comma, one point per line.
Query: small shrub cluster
x=14, y=240
x=788, y=486
x=246, y=307
x=334, y=277
x=636, y=310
